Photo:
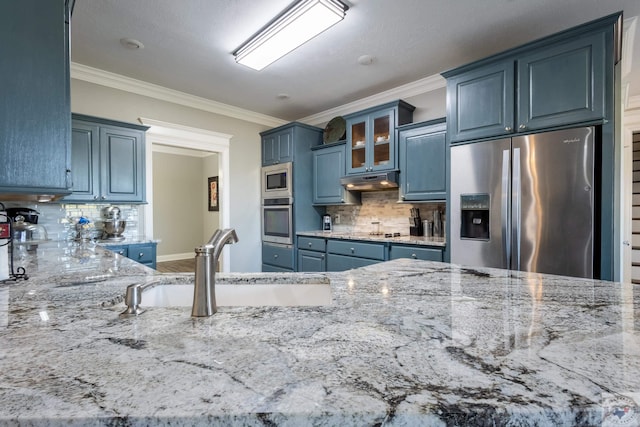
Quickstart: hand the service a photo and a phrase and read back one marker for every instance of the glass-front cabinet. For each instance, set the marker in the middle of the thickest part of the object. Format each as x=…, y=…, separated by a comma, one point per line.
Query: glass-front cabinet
x=371, y=137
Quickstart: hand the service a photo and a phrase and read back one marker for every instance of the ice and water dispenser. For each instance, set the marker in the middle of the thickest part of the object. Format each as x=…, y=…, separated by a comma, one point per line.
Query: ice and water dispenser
x=474, y=216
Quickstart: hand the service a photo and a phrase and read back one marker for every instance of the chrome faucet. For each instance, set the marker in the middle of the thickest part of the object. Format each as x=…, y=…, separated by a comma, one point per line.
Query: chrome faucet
x=204, y=291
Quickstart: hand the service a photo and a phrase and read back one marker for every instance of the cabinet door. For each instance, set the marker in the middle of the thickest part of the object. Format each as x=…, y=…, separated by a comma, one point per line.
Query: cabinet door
x=423, y=164
x=311, y=261
x=480, y=102
x=562, y=84
x=144, y=253
x=122, y=172
x=328, y=168
x=277, y=148
x=382, y=143
x=285, y=147
x=269, y=150
x=35, y=124
x=357, y=136
x=85, y=162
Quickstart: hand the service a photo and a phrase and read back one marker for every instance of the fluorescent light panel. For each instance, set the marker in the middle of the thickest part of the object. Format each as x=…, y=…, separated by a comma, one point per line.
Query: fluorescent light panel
x=299, y=24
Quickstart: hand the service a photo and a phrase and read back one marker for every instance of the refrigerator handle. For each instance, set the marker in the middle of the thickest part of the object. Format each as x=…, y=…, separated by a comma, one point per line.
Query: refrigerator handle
x=506, y=232
x=517, y=203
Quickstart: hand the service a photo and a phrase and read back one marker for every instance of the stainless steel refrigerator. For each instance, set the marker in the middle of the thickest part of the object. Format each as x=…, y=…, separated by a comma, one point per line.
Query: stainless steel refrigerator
x=525, y=203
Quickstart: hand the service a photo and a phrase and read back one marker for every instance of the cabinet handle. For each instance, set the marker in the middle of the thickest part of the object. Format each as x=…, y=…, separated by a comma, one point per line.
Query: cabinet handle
x=508, y=129
x=275, y=256
x=310, y=244
x=353, y=250
x=414, y=256
x=141, y=254
x=341, y=200
x=103, y=198
x=95, y=197
x=522, y=127
x=121, y=252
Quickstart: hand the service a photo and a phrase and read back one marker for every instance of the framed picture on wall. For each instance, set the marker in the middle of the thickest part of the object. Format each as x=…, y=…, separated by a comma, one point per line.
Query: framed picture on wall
x=213, y=194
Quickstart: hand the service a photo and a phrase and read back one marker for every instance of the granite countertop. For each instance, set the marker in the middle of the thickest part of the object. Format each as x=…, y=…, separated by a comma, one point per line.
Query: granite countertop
x=404, y=239
x=405, y=342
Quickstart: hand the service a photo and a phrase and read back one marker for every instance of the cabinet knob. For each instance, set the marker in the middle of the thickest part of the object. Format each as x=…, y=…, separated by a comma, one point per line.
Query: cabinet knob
x=352, y=250
x=103, y=198
x=508, y=129
x=321, y=256
x=275, y=256
x=121, y=252
x=414, y=256
x=141, y=254
x=341, y=200
x=522, y=127
x=310, y=244
x=95, y=197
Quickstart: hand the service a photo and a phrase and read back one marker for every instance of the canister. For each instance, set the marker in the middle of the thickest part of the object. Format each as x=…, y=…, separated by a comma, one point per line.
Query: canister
x=427, y=226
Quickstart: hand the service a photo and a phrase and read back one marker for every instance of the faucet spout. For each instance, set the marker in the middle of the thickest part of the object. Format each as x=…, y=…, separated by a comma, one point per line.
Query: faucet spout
x=207, y=255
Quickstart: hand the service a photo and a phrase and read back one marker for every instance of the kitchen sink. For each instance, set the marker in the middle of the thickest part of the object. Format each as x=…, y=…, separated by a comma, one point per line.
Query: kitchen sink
x=252, y=295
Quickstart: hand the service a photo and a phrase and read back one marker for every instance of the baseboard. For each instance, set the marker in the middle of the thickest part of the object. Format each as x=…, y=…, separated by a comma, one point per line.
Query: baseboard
x=174, y=257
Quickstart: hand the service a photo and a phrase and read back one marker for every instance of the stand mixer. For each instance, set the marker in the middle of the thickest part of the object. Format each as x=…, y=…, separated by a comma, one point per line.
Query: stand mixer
x=113, y=224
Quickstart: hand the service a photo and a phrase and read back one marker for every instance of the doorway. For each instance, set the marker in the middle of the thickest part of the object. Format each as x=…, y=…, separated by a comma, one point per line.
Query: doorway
x=175, y=140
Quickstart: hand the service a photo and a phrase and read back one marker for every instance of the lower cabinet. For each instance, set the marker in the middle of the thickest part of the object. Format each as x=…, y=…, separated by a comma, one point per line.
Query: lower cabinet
x=415, y=252
x=144, y=253
x=347, y=254
x=279, y=258
x=311, y=254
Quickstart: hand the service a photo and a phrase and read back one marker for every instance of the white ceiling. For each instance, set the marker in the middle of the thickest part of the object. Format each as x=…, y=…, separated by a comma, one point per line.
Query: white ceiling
x=188, y=45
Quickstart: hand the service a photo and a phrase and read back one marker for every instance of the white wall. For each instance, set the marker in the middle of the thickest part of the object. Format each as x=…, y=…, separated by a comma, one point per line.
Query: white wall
x=101, y=101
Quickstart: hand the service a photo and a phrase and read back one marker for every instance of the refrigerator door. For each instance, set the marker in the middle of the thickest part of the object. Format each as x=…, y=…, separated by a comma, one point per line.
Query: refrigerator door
x=553, y=202
x=480, y=190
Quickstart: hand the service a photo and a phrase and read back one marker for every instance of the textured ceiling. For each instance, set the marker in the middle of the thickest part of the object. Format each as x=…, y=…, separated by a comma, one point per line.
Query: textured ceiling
x=188, y=45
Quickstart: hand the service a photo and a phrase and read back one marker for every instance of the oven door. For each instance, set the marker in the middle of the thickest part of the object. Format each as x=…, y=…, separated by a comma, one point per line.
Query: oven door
x=277, y=224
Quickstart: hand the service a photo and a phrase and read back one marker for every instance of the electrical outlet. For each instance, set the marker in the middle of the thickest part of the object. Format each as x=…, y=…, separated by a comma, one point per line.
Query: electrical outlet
x=337, y=219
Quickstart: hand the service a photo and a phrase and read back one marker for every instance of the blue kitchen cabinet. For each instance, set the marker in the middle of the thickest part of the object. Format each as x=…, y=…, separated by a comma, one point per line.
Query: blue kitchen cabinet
x=480, y=101
x=108, y=161
x=372, y=136
x=144, y=253
x=311, y=261
x=328, y=167
x=311, y=254
x=277, y=147
x=560, y=80
x=35, y=129
x=424, y=253
x=277, y=257
x=423, y=165
x=562, y=84
x=348, y=254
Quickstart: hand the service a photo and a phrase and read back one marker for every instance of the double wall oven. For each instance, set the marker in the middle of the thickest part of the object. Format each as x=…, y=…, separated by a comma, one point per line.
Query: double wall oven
x=277, y=204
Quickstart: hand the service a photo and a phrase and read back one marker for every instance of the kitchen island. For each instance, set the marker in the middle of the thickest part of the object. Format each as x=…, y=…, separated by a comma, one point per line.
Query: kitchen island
x=404, y=342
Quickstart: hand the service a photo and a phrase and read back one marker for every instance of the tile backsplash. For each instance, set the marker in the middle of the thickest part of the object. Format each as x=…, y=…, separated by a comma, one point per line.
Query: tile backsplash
x=59, y=219
x=382, y=206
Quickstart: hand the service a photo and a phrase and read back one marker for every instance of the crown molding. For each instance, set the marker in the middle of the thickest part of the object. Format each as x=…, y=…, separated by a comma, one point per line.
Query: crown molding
x=127, y=84
x=408, y=90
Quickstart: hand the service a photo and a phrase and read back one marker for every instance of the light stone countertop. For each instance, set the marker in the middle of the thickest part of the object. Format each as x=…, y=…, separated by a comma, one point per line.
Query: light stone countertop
x=404, y=342
x=405, y=239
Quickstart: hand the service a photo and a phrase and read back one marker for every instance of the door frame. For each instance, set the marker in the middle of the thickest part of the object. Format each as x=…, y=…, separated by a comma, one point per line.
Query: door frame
x=175, y=135
x=630, y=125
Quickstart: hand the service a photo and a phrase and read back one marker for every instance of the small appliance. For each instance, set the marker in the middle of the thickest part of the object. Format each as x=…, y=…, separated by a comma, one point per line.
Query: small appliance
x=277, y=181
x=277, y=221
x=327, y=223
x=113, y=225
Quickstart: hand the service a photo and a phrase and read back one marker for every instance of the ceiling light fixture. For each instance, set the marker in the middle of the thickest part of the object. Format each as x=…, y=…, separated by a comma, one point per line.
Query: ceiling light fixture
x=298, y=24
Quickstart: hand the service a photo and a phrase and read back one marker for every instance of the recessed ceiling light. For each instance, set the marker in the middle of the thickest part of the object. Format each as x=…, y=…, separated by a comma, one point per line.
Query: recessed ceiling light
x=131, y=43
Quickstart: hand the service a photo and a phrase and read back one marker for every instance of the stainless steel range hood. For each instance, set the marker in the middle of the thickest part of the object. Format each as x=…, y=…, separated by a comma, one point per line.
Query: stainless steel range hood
x=372, y=181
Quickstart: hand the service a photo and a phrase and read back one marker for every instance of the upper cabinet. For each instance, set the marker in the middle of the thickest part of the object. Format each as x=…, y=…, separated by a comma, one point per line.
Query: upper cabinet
x=371, y=137
x=328, y=168
x=35, y=124
x=423, y=161
x=276, y=147
x=108, y=160
x=557, y=81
